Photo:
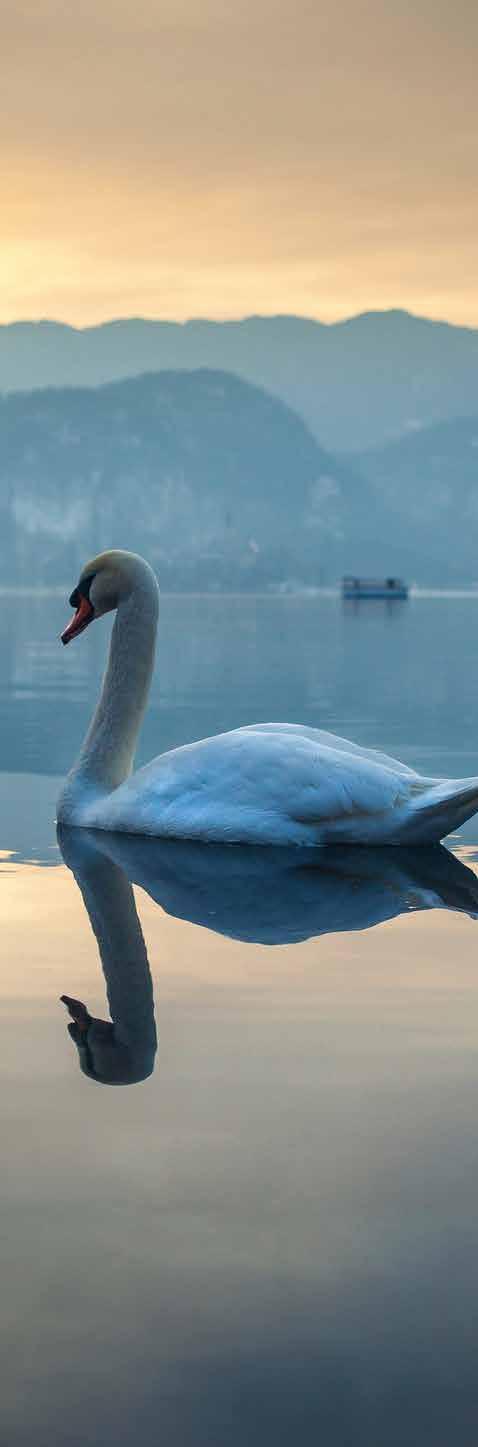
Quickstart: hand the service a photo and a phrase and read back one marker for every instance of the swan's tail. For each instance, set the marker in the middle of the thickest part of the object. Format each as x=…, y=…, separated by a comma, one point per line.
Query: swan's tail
x=439, y=809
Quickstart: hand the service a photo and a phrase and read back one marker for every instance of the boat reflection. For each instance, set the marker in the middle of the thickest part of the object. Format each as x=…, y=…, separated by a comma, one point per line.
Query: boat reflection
x=266, y=896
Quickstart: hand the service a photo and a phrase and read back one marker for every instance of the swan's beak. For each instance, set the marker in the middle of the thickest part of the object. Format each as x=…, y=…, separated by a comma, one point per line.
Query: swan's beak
x=84, y=615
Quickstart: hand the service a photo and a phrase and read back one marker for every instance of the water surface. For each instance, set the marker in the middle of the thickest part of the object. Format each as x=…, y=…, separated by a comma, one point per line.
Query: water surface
x=270, y=1236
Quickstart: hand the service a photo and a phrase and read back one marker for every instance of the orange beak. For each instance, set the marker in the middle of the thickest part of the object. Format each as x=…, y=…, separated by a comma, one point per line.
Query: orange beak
x=84, y=615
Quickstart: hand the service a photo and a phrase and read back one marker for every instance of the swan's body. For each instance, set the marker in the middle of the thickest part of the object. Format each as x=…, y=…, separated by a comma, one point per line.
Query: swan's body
x=263, y=784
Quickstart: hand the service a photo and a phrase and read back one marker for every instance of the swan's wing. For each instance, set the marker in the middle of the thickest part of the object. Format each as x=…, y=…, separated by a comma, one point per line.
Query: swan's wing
x=269, y=786
x=328, y=784
x=331, y=741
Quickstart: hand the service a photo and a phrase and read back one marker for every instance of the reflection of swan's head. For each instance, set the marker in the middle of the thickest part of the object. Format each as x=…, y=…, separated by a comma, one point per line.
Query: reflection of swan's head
x=104, y=582
x=102, y=1056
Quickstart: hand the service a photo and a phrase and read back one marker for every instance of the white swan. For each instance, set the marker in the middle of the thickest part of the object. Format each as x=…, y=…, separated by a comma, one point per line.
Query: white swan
x=263, y=784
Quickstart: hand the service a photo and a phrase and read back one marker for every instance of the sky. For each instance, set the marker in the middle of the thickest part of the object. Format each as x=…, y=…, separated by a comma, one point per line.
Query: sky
x=203, y=158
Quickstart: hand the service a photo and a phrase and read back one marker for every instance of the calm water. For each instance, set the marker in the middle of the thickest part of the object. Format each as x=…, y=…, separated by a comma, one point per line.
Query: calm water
x=266, y=1232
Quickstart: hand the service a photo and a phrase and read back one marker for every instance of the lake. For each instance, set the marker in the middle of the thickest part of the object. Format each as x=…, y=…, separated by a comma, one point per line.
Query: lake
x=246, y=1213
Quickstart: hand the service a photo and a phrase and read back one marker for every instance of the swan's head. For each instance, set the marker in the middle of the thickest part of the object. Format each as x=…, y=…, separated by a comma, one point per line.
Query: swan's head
x=102, y=585
x=101, y=1055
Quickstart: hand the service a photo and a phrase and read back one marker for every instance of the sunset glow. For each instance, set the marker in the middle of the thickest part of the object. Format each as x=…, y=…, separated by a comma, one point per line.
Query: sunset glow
x=178, y=160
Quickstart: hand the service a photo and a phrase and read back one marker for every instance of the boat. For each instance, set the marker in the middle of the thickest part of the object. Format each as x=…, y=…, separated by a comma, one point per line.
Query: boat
x=390, y=588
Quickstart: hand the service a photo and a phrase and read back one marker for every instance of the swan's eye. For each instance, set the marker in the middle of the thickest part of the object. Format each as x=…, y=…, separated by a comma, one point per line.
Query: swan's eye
x=82, y=591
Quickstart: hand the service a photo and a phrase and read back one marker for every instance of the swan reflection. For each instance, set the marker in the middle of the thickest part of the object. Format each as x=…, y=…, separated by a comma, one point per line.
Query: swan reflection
x=265, y=896
x=121, y=1051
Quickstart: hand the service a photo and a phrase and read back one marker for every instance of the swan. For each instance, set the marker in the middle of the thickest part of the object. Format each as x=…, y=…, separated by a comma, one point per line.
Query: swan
x=266, y=783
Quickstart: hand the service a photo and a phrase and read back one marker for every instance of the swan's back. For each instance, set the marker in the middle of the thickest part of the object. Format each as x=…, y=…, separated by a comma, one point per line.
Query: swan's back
x=256, y=785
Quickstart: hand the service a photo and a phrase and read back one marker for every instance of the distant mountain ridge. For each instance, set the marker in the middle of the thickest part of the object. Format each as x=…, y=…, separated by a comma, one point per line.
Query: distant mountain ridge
x=357, y=383
x=223, y=486
x=218, y=483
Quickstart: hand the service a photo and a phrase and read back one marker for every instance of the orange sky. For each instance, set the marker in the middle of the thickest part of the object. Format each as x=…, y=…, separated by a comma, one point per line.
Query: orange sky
x=193, y=157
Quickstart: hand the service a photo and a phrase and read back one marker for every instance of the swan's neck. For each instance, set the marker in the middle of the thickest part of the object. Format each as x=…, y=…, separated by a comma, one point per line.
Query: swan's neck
x=107, y=754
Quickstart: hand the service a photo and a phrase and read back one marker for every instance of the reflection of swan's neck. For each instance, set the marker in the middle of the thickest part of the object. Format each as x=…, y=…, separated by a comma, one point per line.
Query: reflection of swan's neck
x=110, y=903
x=107, y=753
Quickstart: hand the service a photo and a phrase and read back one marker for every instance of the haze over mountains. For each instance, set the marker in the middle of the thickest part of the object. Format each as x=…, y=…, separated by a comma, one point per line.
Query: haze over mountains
x=428, y=483
x=357, y=384
x=220, y=482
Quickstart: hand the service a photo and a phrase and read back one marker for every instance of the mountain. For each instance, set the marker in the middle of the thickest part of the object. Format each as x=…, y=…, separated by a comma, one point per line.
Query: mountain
x=427, y=485
x=223, y=486
x=357, y=383
x=216, y=482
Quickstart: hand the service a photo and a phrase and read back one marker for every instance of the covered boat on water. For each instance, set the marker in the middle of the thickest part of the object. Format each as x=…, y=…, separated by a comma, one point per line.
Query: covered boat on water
x=353, y=587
